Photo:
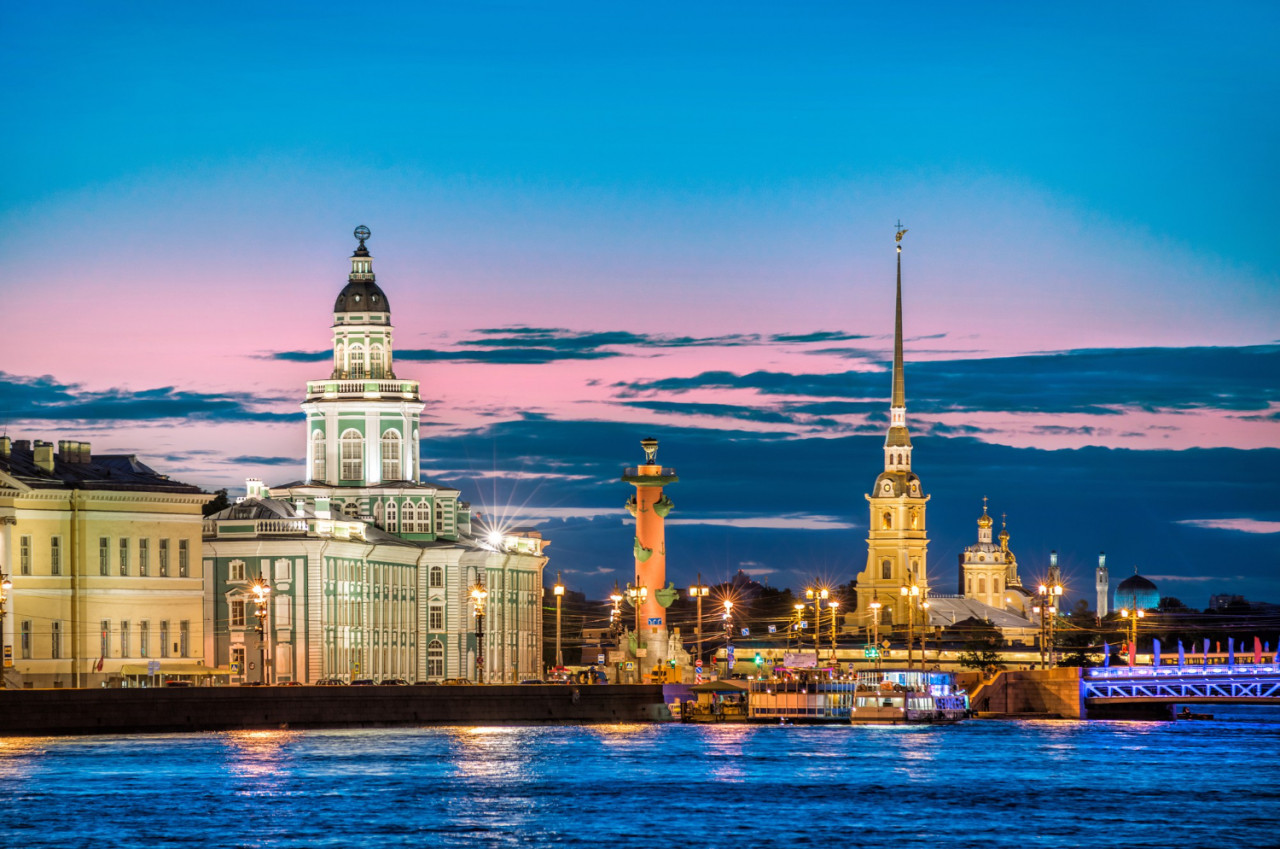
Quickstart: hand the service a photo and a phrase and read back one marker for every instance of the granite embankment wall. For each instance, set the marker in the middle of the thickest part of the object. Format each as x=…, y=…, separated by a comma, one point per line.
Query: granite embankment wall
x=32, y=712
x=1031, y=692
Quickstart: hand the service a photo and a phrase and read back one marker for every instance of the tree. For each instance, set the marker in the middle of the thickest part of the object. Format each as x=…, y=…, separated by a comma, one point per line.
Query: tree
x=980, y=649
x=1077, y=635
x=219, y=502
x=1171, y=603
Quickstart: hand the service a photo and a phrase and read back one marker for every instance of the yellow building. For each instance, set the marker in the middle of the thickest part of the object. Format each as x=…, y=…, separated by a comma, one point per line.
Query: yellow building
x=103, y=557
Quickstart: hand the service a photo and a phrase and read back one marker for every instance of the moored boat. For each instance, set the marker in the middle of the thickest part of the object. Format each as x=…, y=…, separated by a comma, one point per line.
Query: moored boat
x=882, y=696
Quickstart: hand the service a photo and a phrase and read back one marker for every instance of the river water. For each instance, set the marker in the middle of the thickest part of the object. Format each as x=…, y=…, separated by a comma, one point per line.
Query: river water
x=981, y=783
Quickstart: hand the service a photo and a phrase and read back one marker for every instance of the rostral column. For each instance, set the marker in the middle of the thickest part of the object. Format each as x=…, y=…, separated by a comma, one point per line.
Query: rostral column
x=650, y=505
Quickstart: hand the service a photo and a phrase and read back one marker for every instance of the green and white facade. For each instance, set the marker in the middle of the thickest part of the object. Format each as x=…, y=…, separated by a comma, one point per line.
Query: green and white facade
x=371, y=569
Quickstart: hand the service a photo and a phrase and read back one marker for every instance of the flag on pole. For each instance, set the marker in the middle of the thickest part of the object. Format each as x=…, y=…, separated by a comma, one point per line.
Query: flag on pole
x=1106, y=654
x=1205, y=656
x=1155, y=653
x=1231, y=651
x=1182, y=658
x=1133, y=652
x=1257, y=650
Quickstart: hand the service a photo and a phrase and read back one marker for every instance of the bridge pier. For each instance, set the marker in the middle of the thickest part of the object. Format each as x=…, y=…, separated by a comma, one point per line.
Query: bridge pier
x=1150, y=712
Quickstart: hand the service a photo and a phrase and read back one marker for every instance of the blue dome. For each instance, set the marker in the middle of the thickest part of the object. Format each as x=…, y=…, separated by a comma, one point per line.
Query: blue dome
x=1136, y=592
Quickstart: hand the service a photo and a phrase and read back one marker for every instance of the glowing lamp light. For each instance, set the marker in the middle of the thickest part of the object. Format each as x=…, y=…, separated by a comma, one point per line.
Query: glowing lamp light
x=494, y=539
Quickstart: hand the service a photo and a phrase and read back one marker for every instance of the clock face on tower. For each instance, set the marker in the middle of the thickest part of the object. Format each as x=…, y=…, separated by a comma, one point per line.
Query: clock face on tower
x=362, y=232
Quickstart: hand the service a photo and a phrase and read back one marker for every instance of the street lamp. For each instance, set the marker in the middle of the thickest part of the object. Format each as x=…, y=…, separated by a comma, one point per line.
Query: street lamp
x=699, y=591
x=728, y=637
x=817, y=596
x=558, y=592
x=261, y=589
x=1132, y=617
x=874, y=607
x=478, y=596
x=796, y=627
x=637, y=596
x=911, y=593
x=833, y=604
x=615, y=628
x=1047, y=608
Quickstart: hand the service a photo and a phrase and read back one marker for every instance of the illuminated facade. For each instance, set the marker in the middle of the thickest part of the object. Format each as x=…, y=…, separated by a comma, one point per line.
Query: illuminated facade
x=104, y=558
x=370, y=568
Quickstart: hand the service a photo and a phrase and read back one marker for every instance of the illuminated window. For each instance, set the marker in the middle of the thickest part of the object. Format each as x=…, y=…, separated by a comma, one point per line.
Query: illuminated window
x=164, y=558
x=144, y=557
x=104, y=641
x=144, y=639
x=184, y=558
x=391, y=456
x=317, y=456
x=435, y=659
x=887, y=520
x=352, y=446
x=356, y=367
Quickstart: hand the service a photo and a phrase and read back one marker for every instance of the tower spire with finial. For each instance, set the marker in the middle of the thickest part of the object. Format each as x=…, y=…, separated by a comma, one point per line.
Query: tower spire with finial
x=897, y=444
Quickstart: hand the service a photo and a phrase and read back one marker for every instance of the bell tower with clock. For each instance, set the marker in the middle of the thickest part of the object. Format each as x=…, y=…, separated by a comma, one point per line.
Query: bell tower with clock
x=897, y=544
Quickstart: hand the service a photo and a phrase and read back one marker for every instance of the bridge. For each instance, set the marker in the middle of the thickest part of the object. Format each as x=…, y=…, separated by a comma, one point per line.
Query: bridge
x=1152, y=691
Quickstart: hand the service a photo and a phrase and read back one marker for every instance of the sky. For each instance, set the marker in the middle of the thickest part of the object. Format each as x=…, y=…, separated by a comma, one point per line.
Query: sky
x=596, y=224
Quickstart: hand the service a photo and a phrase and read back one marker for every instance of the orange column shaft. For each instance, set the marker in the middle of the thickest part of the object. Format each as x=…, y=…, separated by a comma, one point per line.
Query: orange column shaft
x=651, y=531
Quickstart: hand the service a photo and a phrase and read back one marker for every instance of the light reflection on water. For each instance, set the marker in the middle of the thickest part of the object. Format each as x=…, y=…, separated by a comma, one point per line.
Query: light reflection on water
x=1064, y=784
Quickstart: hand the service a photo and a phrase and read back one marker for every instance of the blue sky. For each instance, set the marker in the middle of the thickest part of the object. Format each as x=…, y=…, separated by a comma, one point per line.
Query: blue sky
x=605, y=221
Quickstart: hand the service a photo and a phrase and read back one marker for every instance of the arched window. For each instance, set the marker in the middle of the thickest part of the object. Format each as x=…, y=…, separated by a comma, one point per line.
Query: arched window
x=886, y=570
x=435, y=659
x=391, y=517
x=887, y=520
x=410, y=520
x=915, y=519
x=352, y=445
x=351, y=508
x=391, y=456
x=317, y=456
x=377, y=513
x=377, y=367
x=356, y=367
x=436, y=577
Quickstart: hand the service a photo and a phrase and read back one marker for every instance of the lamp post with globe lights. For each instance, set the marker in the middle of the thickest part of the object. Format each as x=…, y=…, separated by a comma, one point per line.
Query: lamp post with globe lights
x=1131, y=617
x=261, y=590
x=911, y=593
x=558, y=592
x=699, y=591
x=478, y=596
x=874, y=607
x=817, y=595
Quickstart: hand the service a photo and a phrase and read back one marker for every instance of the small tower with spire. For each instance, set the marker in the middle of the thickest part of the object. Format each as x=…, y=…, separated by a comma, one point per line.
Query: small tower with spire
x=1102, y=583
x=897, y=544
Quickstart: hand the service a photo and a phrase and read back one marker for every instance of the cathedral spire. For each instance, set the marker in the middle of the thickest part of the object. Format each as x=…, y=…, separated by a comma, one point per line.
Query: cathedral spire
x=897, y=443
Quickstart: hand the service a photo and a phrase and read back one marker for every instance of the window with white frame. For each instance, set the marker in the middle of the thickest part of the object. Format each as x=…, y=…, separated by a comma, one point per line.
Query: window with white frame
x=436, y=577
x=104, y=555
x=144, y=639
x=24, y=555
x=376, y=368
x=184, y=638
x=391, y=456
x=283, y=569
x=124, y=556
x=392, y=523
x=184, y=558
x=435, y=618
x=356, y=359
x=352, y=447
x=25, y=642
x=164, y=558
x=144, y=557
x=104, y=643
x=235, y=570
x=237, y=613
x=317, y=456
x=435, y=659
x=124, y=638
x=409, y=524
x=164, y=637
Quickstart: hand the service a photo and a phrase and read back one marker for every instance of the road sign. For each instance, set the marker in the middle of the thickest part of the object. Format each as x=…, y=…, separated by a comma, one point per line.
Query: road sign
x=599, y=658
x=629, y=665
x=773, y=629
x=730, y=656
x=153, y=667
x=655, y=620
x=8, y=656
x=746, y=632
x=235, y=668
x=871, y=652
x=884, y=643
